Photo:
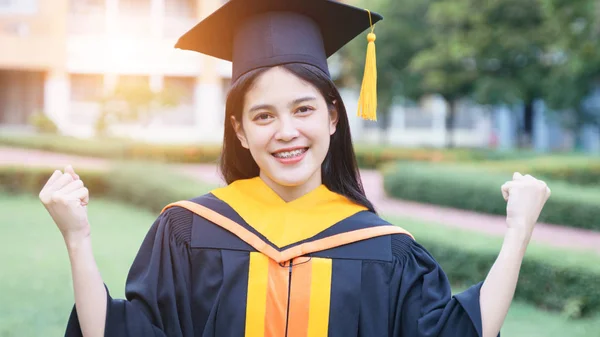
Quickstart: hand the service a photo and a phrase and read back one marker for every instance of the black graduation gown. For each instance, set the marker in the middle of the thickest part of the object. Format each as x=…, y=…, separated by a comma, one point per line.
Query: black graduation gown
x=192, y=278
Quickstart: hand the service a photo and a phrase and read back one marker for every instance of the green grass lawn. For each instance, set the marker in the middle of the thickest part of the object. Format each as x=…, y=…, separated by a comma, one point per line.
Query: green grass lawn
x=36, y=291
x=35, y=287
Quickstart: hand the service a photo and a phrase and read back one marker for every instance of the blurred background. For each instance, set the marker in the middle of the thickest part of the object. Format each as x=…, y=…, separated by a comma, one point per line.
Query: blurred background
x=469, y=92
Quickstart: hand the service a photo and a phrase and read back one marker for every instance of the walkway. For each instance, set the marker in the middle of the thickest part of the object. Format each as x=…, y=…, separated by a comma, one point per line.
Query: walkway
x=553, y=235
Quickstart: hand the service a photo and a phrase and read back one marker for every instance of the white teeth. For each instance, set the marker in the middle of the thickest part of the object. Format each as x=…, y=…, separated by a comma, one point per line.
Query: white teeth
x=290, y=154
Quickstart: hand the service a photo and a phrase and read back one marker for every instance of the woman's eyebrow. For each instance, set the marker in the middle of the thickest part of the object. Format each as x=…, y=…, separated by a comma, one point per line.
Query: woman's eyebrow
x=301, y=100
x=261, y=107
x=292, y=103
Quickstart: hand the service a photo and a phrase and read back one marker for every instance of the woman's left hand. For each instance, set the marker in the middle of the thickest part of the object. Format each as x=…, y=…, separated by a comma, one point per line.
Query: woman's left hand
x=525, y=196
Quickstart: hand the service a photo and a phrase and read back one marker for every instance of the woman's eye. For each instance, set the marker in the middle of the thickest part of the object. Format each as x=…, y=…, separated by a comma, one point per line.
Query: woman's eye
x=304, y=109
x=262, y=117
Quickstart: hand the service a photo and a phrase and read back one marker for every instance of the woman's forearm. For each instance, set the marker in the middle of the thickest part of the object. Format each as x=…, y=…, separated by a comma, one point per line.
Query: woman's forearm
x=90, y=294
x=499, y=286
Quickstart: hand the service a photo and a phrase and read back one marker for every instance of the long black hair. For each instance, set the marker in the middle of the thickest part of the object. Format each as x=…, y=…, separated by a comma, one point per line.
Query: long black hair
x=339, y=170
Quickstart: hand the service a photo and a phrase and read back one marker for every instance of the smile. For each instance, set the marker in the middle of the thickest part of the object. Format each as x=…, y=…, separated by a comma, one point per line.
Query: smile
x=290, y=154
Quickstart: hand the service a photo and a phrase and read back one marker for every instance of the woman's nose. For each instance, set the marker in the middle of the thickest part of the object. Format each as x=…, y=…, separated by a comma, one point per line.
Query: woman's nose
x=287, y=130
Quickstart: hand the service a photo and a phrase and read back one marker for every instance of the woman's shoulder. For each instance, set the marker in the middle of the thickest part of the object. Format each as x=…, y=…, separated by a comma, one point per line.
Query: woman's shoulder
x=367, y=220
x=178, y=216
x=403, y=243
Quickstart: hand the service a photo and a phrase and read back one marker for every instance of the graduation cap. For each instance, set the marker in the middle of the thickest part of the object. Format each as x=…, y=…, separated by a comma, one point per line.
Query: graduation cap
x=261, y=33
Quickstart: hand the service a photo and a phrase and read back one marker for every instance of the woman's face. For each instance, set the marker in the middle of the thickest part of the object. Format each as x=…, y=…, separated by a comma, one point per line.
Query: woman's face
x=286, y=125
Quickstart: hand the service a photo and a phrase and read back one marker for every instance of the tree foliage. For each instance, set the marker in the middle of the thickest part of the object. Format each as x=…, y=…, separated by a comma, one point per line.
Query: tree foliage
x=511, y=52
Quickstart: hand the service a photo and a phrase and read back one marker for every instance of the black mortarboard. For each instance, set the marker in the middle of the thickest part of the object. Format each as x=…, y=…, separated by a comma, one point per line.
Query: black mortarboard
x=260, y=33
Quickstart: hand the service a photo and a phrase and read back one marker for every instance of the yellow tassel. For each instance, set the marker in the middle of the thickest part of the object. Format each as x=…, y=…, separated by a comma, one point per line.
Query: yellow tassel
x=367, y=101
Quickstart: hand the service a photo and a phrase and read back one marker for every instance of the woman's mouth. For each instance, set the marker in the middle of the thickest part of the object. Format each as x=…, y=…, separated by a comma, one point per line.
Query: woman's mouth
x=291, y=156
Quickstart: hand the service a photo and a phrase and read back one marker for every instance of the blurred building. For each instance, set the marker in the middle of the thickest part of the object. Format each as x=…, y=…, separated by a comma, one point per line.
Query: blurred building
x=59, y=57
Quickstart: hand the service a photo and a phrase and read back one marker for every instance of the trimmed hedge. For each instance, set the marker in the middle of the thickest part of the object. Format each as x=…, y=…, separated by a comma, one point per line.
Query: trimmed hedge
x=146, y=185
x=551, y=278
x=366, y=156
x=17, y=179
x=118, y=149
x=472, y=188
x=573, y=169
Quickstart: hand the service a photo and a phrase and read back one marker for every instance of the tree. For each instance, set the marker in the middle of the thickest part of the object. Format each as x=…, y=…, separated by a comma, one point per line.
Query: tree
x=495, y=52
x=446, y=66
x=577, y=52
x=400, y=36
x=506, y=42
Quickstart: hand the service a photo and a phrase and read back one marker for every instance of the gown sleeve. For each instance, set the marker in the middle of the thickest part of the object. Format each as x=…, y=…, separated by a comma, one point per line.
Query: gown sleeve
x=158, y=285
x=424, y=304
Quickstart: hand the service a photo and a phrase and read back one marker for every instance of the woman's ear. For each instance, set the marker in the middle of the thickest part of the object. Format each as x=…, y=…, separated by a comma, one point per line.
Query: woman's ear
x=333, y=118
x=239, y=131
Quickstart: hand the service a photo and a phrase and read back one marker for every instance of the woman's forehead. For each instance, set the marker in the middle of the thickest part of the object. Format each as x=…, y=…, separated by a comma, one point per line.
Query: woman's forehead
x=276, y=85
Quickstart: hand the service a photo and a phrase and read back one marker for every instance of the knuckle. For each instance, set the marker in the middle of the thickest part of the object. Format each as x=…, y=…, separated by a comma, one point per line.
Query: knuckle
x=56, y=197
x=44, y=197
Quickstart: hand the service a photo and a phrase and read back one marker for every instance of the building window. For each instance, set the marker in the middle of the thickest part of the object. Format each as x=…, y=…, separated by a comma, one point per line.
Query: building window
x=134, y=81
x=21, y=94
x=134, y=18
x=135, y=7
x=180, y=16
x=182, y=90
x=86, y=92
x=181, y=87
x=86, y=87
x=86, y=6
x=180, y=8
x=18, y=6
x=87, y=17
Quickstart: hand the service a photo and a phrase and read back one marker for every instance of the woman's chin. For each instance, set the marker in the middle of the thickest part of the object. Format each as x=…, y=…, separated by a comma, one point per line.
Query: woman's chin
x=289, y=181
x=291, y=177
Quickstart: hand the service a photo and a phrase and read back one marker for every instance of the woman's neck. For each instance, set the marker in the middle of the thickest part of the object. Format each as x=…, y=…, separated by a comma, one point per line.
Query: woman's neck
x=290, y=193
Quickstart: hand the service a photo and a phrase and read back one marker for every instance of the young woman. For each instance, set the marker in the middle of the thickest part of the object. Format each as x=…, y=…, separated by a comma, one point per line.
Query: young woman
x=291, y=246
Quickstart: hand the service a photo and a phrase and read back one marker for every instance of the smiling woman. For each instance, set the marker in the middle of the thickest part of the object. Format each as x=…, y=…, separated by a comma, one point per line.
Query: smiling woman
x=288, y=125
x=291, y=246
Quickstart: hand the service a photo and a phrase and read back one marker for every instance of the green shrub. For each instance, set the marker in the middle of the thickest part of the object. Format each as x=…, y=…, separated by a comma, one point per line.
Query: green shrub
x=42, y=123
x=375, y=156
x=151, y=186
x=469, y=187
x=146, y=185
x=105, y=148
x=575, y=169
x=552, y=279
x=119, y=149
x=15, y=179
x=367, y=156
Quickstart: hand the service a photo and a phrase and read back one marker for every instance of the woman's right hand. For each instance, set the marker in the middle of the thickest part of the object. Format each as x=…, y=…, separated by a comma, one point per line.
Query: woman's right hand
x=65, y=198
